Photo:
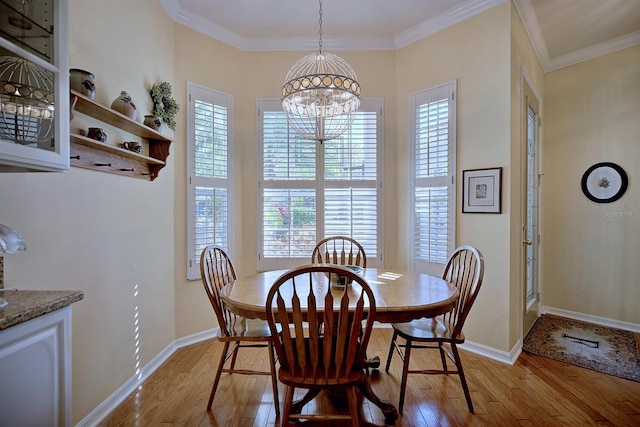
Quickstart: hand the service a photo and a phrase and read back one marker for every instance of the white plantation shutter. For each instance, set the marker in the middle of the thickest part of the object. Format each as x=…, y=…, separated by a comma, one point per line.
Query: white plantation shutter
x=351, y=183
x=298, y=207
x=433, y=189
x=209, y=119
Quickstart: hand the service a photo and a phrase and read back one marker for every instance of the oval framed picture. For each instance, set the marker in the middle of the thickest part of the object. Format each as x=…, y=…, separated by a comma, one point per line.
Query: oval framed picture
x=604, y=182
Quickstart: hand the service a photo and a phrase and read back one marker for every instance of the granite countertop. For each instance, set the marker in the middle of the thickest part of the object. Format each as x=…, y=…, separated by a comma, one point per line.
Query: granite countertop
x=27, y=305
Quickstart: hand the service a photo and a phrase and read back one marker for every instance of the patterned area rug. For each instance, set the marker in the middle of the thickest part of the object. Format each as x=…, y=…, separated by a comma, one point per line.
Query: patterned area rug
x=603, y=349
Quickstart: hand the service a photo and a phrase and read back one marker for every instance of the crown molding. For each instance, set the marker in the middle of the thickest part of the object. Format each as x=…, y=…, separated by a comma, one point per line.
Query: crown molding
x=442, y=21
x=592, y=52
x=224, y=35
x=532, y=27
x=394, y=42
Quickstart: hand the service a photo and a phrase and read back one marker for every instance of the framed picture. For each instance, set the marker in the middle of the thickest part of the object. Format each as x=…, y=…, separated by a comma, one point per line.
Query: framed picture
x=482, y=190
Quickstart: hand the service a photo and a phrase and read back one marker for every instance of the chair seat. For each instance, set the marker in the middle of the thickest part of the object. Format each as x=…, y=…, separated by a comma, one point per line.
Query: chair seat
x=310, y=379
x=246, y=329
x=433, y=329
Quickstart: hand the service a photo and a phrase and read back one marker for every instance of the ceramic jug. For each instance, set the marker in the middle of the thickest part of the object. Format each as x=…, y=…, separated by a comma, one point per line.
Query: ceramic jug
x=124, y=105
x=82, y=81
x=153, y=122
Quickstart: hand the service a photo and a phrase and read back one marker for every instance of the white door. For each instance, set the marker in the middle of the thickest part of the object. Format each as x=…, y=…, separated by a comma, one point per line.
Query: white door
x=530, y=223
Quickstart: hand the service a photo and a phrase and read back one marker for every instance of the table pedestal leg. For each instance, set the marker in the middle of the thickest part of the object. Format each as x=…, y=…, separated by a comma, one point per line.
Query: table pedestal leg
x=299, y=404
x=390, y=412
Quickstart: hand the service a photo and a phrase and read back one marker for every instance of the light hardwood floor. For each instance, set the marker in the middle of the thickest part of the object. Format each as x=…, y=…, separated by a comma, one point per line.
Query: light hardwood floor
x=536, y=391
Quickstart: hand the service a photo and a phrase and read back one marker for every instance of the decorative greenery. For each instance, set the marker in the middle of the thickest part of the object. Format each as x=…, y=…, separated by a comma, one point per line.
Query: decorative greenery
x=164, y=106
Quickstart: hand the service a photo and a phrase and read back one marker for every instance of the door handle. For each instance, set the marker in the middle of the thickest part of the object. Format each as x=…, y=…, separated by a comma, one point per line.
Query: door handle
x=527, y=242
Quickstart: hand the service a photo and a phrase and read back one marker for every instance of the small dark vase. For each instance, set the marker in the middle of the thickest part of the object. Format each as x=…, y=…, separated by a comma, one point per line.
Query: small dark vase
x=98, y=134
x=153, y=122
x=124, y=105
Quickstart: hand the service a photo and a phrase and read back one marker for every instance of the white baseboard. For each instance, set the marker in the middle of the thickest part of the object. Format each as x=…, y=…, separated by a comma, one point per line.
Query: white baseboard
x=112, y=402
x=612, y=323
x=479, y=349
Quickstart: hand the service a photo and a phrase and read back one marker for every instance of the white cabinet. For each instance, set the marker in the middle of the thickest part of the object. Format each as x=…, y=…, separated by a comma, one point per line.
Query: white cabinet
x=35, y=371
x=34, y=86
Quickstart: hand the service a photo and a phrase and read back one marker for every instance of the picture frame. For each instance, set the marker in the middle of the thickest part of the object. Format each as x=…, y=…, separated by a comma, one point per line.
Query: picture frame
x=482, y=190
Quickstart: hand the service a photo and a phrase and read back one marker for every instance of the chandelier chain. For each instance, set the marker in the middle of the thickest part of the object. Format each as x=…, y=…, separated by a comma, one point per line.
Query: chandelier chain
x=320, y=94
x=320, y=31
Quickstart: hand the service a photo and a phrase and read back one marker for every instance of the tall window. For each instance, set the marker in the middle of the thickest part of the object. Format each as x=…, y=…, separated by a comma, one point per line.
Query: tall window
x=308, y=191
x=209, y=158
x=433, y=173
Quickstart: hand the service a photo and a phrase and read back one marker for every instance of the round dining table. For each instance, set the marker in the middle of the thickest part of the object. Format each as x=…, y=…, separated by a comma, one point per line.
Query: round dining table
x=401, y=296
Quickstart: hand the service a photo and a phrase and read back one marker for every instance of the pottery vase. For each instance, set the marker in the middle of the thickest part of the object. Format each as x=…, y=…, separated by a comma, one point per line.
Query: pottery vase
x=153, y=122
x=82, y=81
x=124, y=105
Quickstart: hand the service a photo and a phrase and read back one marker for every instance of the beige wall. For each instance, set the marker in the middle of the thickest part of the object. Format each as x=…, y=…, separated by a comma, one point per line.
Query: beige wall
x=105, y=234
x=101, y=233
x=476, y=54
x=249, y=76
x=590, y=261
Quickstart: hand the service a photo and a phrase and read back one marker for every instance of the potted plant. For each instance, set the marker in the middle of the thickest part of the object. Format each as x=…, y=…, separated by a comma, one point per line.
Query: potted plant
x=165, y=107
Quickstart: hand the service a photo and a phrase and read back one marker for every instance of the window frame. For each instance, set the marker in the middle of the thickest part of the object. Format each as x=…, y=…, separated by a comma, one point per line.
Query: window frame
x=195, y=91
x=373, y=105
x=448, y=89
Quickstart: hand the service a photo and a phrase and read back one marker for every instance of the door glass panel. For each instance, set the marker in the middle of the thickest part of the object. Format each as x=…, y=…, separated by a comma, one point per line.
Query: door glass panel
x=532, y=208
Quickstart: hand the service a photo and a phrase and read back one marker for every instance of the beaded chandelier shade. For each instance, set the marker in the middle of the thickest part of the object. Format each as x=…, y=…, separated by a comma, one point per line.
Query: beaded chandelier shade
x=320, y=95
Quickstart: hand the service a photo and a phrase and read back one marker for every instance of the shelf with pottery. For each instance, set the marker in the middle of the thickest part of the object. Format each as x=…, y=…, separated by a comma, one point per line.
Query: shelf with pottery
x=92, y=154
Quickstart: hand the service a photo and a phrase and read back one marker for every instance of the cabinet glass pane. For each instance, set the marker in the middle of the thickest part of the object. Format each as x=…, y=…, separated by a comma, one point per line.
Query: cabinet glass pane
x=28, y=24
x=26, y=103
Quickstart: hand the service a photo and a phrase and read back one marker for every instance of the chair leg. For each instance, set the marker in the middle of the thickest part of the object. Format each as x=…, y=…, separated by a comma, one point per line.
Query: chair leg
x=235, y=355
x=463, y=381
x=288, y=405
x=353, y=406
x=443, y=357
x=405, y=372
x=391, y=348
x=216, y=380
x=274, y=379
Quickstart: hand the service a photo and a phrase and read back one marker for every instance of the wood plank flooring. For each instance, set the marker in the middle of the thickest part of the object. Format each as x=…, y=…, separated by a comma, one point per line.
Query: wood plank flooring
x=536, y=391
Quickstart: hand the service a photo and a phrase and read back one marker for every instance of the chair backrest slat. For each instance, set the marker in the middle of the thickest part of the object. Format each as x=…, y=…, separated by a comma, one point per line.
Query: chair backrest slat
x=322, y=343
x=465, y=270
x=341, y=250
x=217, y=271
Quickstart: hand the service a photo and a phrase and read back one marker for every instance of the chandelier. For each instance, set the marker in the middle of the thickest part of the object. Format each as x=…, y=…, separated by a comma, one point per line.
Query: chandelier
x=320, y=94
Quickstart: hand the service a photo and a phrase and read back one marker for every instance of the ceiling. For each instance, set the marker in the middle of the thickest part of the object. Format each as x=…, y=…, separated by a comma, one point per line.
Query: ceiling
x=563, y=32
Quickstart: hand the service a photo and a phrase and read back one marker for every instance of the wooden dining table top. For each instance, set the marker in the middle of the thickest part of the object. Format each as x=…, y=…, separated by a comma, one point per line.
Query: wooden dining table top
x=401, y=296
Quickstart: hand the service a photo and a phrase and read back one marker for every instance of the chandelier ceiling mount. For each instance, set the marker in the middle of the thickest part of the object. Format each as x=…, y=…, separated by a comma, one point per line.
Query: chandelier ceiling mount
x=320, y=94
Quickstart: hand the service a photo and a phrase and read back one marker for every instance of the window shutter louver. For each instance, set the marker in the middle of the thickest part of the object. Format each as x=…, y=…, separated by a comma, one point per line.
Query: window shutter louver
x=298, y=209
x=208, y=154
x=434, y=168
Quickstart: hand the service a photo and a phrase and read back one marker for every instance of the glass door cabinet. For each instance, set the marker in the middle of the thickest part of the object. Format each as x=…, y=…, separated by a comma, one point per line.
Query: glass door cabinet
x=34, y=85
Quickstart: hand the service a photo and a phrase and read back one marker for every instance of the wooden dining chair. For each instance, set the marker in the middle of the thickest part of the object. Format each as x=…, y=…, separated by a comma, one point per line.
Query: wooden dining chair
x=217, y=271
x=464, y=269
x=341, y=250
x=328, y=357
